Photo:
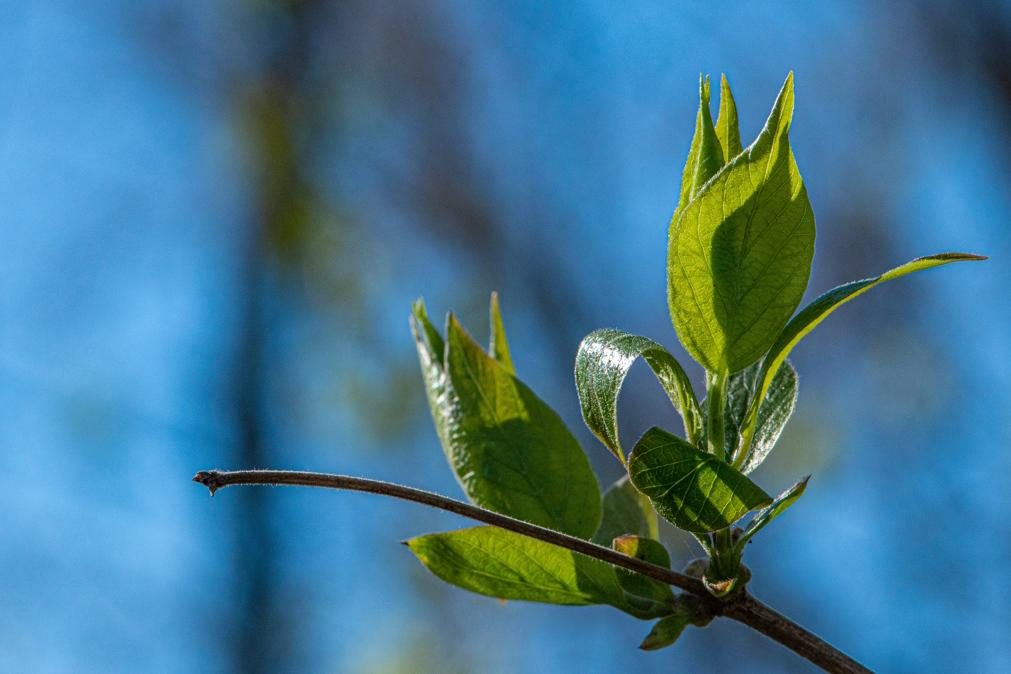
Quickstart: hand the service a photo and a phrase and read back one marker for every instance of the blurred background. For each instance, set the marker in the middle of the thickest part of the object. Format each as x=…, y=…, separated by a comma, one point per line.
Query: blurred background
x=216, y=216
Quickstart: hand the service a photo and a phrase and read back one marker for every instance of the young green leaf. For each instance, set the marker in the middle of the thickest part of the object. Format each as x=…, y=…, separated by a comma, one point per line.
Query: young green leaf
x=512, y=452
x=705, y=156
x=665, y=632
x=431, y=355
x=773, y=413
x=771, y=512
x=740, y=252
x=813, y=314
x=727, y=131
x=649, y=550
x=509, y=450
x=626, y=511
x=503, y=564
x=692, y=489
x=602, y=362
x=499, y=347
x=687, y=611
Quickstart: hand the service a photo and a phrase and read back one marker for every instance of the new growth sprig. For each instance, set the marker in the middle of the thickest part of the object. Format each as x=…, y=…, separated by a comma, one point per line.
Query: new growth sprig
x=740, y=247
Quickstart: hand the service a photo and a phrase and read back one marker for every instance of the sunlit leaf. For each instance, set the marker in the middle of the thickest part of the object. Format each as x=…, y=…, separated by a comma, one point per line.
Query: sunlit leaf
x=740, y=252
x=813, y=314
x=705, y=156
x=602, y=362
x=499, y=563
x=772, y=511
x=692, y=489
x=499, y=347
x=509, y=450
x=727, y=131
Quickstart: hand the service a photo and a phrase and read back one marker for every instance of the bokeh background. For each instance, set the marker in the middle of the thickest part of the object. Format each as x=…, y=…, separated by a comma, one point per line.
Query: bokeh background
x=216, y=215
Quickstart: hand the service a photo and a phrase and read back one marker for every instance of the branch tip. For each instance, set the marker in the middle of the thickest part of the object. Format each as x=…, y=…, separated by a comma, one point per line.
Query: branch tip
x=210, y=479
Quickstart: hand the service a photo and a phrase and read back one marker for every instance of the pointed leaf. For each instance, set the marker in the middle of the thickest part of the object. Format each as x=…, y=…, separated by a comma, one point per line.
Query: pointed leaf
x=772, y=511
x=691, y=489
x=602, y=362
x=512, y=452
x=509, y=450
x=431, y=355
x=813, y=314
x=705, y=157
x=740, y=252
x=499, y=563
x=499, y=347
x=727, y=130
x=626, y=511
x=665, y=632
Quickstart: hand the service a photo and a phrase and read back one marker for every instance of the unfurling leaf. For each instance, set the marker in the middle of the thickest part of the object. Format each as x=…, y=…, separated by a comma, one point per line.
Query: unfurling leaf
x=772, y=511
x=509, y=450
x=665, y=632
x=625, y=511
x=648, y=550
x=813, y=314
x=740, y=252
x=602, y=362
x=692, y=489
x=687, y=611
x=773, y=413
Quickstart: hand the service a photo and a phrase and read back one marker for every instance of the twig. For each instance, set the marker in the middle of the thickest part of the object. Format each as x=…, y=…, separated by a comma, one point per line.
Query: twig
x=739, y=606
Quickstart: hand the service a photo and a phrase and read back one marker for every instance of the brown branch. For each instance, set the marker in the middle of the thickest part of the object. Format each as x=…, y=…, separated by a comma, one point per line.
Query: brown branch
x=739, y=606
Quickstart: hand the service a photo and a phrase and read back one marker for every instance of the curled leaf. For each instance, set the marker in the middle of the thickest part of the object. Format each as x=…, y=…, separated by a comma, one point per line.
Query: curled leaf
x=602, y=363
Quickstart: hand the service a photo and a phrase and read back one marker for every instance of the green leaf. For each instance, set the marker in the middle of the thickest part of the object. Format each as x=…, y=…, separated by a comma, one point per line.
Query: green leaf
x=431, y=355
x=499, y=347
x=740, y=252
x=727, y=130
x=511, y=452
x=774, y=412
x=499, y=563
x=626, y=511
x=687, y=611
x=705, y=156
x=813, y=314
x=665, y=632
x=691, y=489
x=602, y=362
x=649, y=550
x=772, y=511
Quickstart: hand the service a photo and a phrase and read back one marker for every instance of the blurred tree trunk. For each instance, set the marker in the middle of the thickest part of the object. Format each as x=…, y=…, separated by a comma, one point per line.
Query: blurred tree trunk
x=262, y=640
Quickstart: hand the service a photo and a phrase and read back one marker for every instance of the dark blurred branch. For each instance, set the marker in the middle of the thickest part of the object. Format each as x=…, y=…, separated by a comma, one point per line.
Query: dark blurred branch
x=740, y=606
